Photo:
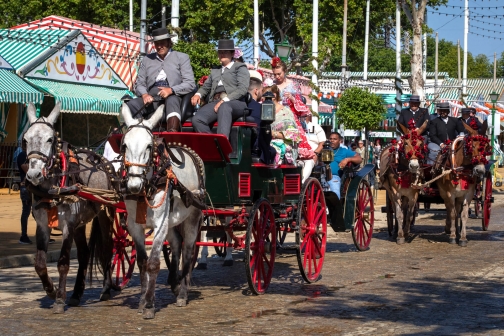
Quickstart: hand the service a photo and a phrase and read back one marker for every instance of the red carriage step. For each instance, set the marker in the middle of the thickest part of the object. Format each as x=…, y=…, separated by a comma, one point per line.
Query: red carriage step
x=208, y=146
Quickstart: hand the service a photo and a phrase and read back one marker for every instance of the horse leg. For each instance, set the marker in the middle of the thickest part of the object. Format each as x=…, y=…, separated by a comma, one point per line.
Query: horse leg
x=83, y=258
x=410, y=213
x=175, y=239
x=451, y=220
x=399, y=218
x=228, y=260
x=137, y=233
x=464, y=214
x=106, y=253
x=63, y=263
x=42, y=238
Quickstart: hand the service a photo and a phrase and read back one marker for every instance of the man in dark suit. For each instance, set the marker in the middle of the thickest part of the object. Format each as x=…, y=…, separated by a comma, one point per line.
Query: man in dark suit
x=469, y=119
x=442, y=129
x=165, y=74
x=419, y=115
x=225, y=90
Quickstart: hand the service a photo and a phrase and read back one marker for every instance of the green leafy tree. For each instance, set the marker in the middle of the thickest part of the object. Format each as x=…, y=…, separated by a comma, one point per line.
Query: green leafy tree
x=202, y=55
x=360, y=109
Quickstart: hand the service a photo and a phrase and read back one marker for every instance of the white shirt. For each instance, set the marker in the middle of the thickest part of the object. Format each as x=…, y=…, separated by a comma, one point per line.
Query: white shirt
x=315, y=134
x=445, y=120
x=220, y=81
x=109, y=154
x=162, y=75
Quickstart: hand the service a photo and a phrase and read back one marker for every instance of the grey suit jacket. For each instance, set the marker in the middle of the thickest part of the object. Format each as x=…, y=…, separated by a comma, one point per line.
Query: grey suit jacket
x=235, y=80
x=178, y=70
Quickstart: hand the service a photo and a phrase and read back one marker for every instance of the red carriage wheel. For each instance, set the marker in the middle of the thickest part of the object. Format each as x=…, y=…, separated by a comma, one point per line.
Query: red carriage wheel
x=311, y=235
x=124, y=253
x=487, y=201
x=260, y=246
x=364, y=217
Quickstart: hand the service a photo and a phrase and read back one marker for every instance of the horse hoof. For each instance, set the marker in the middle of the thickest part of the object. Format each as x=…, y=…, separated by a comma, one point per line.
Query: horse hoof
x=400, y=241
x=74, y=302
x=181, y=303
x=228, y=263
x=463, y=243
x=52, y=295
x=148, y=313
x=452, y=241
x=105, y=297
x=58, y=308
x=201, y=266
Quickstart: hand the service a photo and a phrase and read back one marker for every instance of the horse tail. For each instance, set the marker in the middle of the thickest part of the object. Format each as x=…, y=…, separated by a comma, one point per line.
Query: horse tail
x=95, y=245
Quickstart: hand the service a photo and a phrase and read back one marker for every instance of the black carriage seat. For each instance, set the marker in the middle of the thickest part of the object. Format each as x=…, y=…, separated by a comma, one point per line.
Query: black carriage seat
x=186, y=108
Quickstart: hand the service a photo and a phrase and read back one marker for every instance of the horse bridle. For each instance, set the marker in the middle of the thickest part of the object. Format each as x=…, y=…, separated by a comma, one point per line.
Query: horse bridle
x=47, y=159
x=127, y=164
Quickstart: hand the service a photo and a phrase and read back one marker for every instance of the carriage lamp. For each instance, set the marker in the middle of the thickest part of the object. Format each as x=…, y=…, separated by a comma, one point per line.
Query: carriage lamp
x=284, y=49
x=327, y=154
x=268, y=108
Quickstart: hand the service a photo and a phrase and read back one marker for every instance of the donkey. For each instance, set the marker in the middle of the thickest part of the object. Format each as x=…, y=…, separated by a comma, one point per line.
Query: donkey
x=167, y=211
x=400, y=167
x=466, y=158
x=42, y=145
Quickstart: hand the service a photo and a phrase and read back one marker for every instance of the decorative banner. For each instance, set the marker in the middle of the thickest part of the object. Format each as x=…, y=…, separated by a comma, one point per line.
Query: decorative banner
x=78, y=62
x=4, y=64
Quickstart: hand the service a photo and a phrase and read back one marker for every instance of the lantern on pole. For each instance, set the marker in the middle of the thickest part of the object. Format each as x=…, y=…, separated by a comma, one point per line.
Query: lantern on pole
x=283, y=49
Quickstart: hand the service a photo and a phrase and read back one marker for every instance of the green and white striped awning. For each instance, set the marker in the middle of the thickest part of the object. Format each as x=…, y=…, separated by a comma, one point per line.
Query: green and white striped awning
x=81, y=98
x=14, y=89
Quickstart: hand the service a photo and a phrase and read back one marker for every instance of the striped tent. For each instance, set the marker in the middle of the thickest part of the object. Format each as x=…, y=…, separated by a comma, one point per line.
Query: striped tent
x=81, y=98
x=13, y=89
x=119, y=48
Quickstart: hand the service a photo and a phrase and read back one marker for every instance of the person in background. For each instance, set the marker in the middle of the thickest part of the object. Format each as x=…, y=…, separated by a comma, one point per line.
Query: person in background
x=468, y=117
x=342, y=156
x=371, y=152
x=353, y=146
x=24, y=194
x=315, y=135
x=238, y=55
x=419, y=115
x=361, y=150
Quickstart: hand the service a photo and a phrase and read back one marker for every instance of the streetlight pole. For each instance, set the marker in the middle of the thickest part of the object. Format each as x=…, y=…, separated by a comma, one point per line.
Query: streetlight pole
x=493, y=97
x=315, y=51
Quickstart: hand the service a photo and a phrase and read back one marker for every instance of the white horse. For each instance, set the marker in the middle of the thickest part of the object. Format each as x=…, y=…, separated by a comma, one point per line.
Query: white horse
x=167, y=213
x=42, y=146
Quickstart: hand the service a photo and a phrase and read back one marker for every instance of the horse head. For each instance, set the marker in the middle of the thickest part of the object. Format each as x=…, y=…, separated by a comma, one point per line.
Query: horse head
x=476, y=149
x=137, y=148
x=412, y=148
x=40, y=140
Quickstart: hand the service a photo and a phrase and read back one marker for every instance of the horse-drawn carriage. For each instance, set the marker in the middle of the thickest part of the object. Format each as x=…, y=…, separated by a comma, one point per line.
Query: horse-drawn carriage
x=254, y=204
x=460, y=175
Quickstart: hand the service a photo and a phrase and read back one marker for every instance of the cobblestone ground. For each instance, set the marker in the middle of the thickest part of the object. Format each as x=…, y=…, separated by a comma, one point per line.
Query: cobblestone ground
x=425, y=287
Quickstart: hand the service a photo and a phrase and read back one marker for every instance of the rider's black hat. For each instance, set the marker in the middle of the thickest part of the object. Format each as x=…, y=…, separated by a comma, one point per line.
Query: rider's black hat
x=468, y=110
x=226, y=45
x=443, y=106
x=414, y=99
x=161, y=34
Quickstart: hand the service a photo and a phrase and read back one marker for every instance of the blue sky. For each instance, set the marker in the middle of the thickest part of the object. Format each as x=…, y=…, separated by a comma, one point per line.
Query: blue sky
x=487, y=22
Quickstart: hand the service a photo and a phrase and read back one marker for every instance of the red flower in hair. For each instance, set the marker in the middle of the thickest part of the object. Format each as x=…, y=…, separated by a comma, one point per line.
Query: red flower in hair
x=202, y=80
x=275, y=61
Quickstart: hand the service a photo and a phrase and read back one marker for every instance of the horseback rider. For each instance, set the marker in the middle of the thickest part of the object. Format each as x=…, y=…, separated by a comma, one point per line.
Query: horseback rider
x=442, y=129
x=469, y=118
x=167, y=74
x=419, y=115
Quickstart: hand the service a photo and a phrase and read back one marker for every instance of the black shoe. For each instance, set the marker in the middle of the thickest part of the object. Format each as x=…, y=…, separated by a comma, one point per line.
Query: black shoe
x=25, y=240
x=52, y=241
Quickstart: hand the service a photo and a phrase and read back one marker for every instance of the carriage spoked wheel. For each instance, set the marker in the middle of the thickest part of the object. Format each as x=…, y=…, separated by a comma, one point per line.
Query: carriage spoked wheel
x=124, y=252
x=362, y=230
x=486, y=198
x=260, y=246
x=311, y=235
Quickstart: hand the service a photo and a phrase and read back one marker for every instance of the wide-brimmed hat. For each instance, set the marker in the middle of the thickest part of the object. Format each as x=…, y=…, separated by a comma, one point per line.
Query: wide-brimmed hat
x=414, y=99
x=226, y=45
x=468, y=110
x=443, y=106
x=161, y=34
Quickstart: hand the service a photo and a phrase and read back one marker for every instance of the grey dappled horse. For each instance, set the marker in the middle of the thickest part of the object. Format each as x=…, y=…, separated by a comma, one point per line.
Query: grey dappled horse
x=41, y=145
x=174, y=221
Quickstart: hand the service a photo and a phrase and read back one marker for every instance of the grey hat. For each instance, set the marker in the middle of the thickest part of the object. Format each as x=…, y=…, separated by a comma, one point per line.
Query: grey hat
x=226, y=45
x=443, y=105
x=414, y=99
x=161, y=34
x=468, y=110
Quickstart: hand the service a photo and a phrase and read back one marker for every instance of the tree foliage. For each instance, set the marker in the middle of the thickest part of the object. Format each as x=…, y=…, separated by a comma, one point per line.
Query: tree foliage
x=360, y=109
x=202, y=55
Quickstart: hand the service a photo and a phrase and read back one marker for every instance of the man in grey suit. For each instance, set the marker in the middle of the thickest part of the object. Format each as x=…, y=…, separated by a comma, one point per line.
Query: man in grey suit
x=225, y=90
x=164, y=77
